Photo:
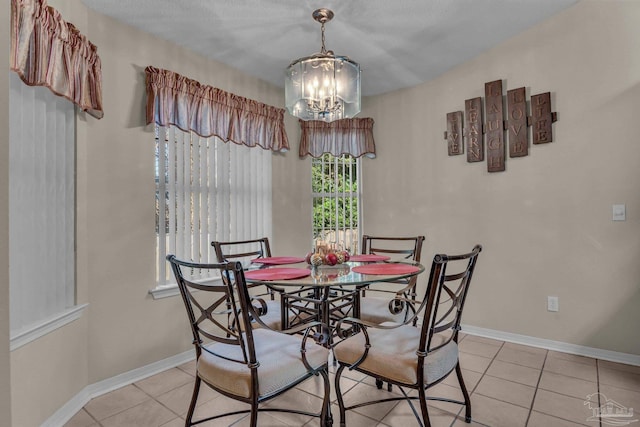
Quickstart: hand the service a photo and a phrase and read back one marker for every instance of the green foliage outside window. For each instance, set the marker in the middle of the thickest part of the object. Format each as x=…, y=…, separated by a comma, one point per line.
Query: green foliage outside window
x=335, y=189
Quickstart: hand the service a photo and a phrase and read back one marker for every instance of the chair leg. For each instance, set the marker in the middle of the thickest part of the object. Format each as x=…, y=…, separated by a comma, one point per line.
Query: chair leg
x=339, y=395
x=423, y=407
x=325, y=417
x=467, y=400
x=194, y=399
x=380, y=383
x=254, y=413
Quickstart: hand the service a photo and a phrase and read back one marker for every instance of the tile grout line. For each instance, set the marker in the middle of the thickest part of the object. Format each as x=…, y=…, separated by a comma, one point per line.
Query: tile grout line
x=484, y=373
x=598, y=387
x=535, y=392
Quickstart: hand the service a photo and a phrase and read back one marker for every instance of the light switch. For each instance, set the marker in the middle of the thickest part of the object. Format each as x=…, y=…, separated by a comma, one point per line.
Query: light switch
x=619, y=213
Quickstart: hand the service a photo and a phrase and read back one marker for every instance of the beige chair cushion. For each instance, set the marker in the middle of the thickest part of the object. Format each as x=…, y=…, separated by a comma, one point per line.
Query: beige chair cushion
x=272, y=318
x=280, y=363
x=273, y=315
x=393, y=354
x=376, y=310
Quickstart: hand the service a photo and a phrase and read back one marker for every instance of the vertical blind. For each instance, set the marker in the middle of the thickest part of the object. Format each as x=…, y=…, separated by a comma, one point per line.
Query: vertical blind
x=41, y=205
x=213, y=190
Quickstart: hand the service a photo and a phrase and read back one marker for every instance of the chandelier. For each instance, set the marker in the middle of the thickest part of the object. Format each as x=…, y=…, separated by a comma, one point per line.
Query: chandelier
x=323, y=86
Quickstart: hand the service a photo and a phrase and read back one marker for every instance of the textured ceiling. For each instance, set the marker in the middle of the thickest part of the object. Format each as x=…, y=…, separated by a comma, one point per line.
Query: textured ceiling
x=398, y=43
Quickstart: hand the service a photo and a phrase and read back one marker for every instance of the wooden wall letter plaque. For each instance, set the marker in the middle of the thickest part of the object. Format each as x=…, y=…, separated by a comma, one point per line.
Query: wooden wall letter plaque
x=495, y=126
x=473, y=130
x=454, y=133
x=502, y=118
x=541, y=118
x=517, y=122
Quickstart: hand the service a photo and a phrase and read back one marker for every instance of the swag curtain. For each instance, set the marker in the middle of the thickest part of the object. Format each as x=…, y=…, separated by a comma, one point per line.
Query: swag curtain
x=175, y=100
x=47, y=51
x=347, y=136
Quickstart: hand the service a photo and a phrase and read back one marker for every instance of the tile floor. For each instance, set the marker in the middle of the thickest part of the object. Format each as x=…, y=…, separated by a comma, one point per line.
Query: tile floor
x=511, y=385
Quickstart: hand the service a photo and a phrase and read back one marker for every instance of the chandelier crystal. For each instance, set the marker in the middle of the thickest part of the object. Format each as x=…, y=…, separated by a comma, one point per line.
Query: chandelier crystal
x=323, y=86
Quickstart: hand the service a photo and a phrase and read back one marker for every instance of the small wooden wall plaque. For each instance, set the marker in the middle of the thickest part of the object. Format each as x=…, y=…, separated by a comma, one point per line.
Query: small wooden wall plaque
x=541, y=118
x=495, y=126
x=454, y=133
x=517, y=123
x=473, y=130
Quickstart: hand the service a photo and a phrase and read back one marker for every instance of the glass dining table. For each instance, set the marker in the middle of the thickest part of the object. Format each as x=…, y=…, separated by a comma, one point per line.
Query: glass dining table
x=327, y=293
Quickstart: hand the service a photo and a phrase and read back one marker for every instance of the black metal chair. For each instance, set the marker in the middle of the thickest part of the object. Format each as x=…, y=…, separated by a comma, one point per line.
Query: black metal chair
x=244, y=251
x=379, y=304
x=251, y=365
x=414, y=357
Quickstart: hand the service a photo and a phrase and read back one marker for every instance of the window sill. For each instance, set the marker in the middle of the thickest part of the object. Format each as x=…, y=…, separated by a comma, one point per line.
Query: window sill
x=166, y=291
x=43, y=328
x=172, y=290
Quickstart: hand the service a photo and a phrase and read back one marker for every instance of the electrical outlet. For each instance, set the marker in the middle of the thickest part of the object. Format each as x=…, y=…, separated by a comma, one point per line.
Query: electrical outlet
x=552, y=303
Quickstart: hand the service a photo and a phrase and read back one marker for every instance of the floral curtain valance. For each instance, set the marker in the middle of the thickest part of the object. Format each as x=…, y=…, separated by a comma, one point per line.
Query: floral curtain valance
x=173, y=99
x=47, y=51
x=346, y=136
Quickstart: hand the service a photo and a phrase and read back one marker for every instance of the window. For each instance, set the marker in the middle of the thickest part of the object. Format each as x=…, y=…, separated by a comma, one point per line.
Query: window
x=206, y=190
x=336, y=201
x=41, y=211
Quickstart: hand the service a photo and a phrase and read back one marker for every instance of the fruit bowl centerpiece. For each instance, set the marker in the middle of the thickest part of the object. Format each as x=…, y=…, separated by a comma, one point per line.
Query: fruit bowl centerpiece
x=328, y=262
x=327, y=257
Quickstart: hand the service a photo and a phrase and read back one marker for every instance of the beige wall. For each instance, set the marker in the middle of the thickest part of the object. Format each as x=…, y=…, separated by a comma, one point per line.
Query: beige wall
x=127, y=328
x=123, y=328
x=5, y=382
x=545, y=222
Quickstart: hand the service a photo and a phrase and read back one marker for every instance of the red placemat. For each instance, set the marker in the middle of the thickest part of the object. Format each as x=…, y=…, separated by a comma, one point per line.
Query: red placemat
x=277, y=273
x=368, y=257
x=385, y=269
x=275, y=260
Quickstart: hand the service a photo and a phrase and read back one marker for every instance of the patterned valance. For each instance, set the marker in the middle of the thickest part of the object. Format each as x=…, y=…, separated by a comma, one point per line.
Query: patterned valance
x=346, y=136
x=175, y=100
x=47, y=51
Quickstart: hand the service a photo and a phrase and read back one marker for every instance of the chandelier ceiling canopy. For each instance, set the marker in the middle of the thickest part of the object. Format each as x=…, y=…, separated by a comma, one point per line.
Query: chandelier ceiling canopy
x=323, y=86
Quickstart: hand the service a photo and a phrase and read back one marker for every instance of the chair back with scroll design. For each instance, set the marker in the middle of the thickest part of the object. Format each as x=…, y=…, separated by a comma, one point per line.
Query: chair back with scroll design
x=245, y=364
x=398, y=248
x=244, y=251
x=415, y=357
x=378, y=306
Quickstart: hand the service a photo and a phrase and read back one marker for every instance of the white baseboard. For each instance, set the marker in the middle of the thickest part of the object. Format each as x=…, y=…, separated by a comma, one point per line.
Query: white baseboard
x=581, y=350
x=74, y=405
x=64, y=414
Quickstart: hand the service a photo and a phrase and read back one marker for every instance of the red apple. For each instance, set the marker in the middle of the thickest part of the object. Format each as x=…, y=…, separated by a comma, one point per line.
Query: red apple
x=308, y=258
x=331, y=258
x=346, y=255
